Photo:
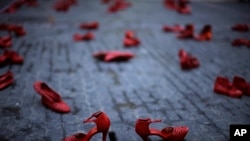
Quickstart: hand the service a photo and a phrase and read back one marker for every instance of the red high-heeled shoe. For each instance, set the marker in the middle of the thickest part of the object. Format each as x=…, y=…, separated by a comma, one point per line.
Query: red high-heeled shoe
x=102, y=122
x=6, y=79
x=171, y=4
x=90, y=25
x=187, y=33
x=51, y=98
x=205, y=34
x=223, y=86
x=241, y=27
x=114, y=56
x=175, y=28
x=241, y=84
x=183, y=7
x=187, y=61
x=167, y=133
x=85, y=37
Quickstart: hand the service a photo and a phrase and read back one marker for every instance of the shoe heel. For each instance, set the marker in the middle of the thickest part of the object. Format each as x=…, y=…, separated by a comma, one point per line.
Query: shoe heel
x=104, y=135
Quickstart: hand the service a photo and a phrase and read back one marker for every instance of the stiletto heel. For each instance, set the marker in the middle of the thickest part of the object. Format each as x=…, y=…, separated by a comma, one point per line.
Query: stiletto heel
x=167, y=133
x=102, y=122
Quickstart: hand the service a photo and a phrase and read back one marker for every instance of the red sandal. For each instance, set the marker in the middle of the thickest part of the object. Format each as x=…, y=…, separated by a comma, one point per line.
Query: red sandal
x=102, y=122
x=6, y=80
x=51, y=98
x=167, y=133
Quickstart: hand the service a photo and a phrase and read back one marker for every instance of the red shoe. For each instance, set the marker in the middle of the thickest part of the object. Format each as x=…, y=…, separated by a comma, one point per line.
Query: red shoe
x=17, y=29
x=6, y=80
x=240, y=42
x=187, y=33
x=170, y=4
x=13, y=57
x=167, y=133
x=241, y=27
x=5, y=41
x=62, y=5
x=175, y=28
x=113, y=56
x=118, y=5
x=187, y=61
x=241, y=84
x=92, y=25
x=102, y=122
x=183, y=8
x=51, y=98
x=105, y=1
x=205, y=34
x=223, y=86
x=86, y=37
x=130, y=39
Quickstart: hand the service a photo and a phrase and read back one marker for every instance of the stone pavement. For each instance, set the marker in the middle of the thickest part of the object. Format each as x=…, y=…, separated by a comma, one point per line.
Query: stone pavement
x=152, y=84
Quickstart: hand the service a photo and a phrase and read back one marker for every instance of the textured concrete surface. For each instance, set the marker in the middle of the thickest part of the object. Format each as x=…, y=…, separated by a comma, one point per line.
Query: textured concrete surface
x=152, y=84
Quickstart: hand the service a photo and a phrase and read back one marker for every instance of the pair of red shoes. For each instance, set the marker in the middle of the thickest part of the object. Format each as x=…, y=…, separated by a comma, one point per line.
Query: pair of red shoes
x=236, y=89
x=6, y=80
x=187, y=61
x=118, y=5
x=51, y=98
x=64, y=5
x=102, y=122
x=188, y=33
x=10, y=57
x=17, y=29
x=114, y=56
x=241, y=42
x=181, y=6
x=130, y=39
x=18, y=4
x=5, y=41
x=241, y=27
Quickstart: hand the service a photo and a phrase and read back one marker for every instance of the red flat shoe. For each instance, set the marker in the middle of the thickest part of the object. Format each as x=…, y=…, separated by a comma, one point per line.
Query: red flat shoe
x=91, y=25
x=205, y=34
x=223, y=86
x=170, y=4
x=5, y=41
x=102, y=122
x=167, y=133
x=187, y=33
x=114, y=56
x=85, y=37
x=183, y=7
x=13, y=57
x=175, y=28
x=187, y=61
x=241, y=84
x=6, y=80
x=241, y=27
x=51, y=98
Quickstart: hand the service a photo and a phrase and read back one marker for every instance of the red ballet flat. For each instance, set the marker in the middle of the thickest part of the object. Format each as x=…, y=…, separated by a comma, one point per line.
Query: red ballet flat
x=91, y=25
x=241, y=84
x=241, y=27
x=187, y=33
x=175, y=28
x=51, y=98
x=167, y=133
x=102, y=122
x=85, y=37
x=114, y=56
x=6, y=80
x=205, y=34
x=223, y=86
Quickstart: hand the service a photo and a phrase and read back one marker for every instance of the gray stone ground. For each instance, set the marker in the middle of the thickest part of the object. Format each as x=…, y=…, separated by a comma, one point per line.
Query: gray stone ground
x=152, y=84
